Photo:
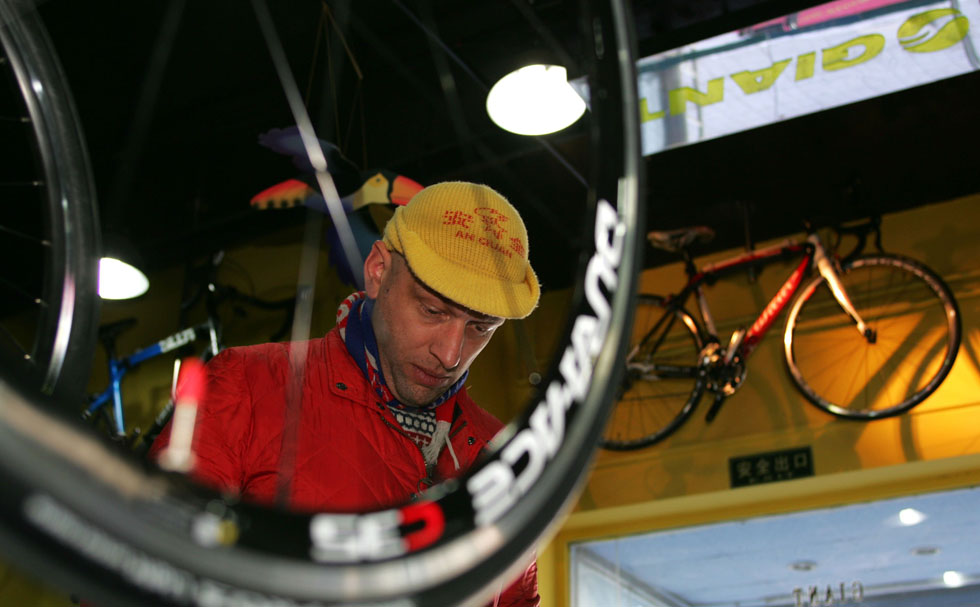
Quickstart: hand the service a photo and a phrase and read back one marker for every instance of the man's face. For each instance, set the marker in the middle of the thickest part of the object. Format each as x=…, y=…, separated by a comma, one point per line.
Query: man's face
x=425, y=341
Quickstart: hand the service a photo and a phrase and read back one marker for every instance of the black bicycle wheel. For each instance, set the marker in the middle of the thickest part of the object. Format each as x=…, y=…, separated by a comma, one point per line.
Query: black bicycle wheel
x=48, y=218
x=916, y=326
x=662, y=385
x=117, y=531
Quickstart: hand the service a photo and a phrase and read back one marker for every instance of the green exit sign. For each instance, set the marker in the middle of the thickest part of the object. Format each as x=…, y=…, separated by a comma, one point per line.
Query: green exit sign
x=770, y=467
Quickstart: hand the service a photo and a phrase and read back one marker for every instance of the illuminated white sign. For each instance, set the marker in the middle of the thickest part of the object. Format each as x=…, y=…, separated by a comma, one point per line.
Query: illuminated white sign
x=817, y=596
x=827, y=56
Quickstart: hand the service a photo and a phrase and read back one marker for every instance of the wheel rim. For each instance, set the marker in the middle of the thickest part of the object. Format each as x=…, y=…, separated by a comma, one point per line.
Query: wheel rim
x=915, y=345
x=65, y=514
x=57, y=355
x=651, y=410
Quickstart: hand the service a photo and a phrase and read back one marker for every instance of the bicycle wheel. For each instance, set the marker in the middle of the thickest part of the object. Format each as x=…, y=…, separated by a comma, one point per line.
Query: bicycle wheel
x=916, y=327
x=48, y=219
x=116, y=531
x=662, y=384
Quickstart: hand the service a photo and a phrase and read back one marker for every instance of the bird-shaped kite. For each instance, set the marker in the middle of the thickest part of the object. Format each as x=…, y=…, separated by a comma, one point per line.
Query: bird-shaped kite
x=368, y=197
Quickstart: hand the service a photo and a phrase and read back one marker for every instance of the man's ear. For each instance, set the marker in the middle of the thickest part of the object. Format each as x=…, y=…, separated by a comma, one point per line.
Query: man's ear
x=377, y=263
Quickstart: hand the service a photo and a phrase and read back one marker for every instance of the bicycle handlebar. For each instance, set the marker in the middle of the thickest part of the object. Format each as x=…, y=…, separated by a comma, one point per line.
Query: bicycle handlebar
x=860, y=231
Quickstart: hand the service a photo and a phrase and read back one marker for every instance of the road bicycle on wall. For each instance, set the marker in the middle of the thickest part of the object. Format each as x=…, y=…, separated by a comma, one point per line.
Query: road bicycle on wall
x=867, y=337
x=117, y=531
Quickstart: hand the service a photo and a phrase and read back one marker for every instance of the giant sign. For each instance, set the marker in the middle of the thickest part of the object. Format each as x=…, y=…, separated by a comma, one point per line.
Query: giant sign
x=827, y=56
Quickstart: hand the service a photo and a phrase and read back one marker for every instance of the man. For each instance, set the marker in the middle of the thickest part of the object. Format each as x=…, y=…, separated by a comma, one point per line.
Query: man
x=384, y=413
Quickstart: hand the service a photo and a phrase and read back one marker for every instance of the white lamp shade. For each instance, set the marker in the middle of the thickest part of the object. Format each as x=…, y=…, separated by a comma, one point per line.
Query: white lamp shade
x=534, y=100
x=119, y=280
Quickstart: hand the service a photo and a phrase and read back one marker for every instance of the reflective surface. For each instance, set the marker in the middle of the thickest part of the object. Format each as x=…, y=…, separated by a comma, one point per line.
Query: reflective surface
x=916, y=550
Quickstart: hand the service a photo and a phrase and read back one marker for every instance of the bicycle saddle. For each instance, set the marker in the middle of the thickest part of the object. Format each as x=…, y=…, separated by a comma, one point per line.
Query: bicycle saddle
x=678, y=240
x=112, y=330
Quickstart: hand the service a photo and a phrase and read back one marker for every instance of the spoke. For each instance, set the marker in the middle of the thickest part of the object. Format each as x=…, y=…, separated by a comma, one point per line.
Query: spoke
x=302, y=316
x=145, y=105
x=661, y=396
x=23, y=236
x=22, y=293
x=12, y=343
x=22, y=184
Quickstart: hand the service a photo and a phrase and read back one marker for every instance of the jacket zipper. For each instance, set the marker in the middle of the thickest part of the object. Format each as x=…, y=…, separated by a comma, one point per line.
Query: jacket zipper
x=399, y=430
x=456, y=431
x=427, y=479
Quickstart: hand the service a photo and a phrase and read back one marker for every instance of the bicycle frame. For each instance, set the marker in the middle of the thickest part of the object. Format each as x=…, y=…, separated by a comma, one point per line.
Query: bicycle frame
x=812, y=253
x=119, y=367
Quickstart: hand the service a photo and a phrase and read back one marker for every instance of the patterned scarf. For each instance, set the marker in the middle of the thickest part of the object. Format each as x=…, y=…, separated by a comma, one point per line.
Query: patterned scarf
x=428, y=425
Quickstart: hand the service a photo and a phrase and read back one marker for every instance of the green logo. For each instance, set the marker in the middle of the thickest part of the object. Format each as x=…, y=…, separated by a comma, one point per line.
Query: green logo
x=933, y=30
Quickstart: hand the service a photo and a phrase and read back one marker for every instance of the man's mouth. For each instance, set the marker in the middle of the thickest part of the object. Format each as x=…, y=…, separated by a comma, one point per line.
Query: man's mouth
x=428, y=378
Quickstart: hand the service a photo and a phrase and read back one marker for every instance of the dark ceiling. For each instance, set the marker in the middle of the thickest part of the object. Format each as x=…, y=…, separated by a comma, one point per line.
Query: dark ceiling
x=176, y=173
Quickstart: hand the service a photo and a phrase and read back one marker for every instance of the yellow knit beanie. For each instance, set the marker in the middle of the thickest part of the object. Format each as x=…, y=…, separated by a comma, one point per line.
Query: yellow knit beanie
x=467, y=243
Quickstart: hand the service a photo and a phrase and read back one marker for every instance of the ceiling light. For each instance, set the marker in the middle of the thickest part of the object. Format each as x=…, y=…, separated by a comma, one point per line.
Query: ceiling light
x=120, y=276
x=925, y=550
x=953, y=579
x=534, y=100
x=802, y=566
x=910, y=516
x=119, y=280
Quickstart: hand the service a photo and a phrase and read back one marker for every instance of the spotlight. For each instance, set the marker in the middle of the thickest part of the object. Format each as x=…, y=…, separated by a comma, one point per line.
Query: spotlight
x=534, y=100
x=119, y=274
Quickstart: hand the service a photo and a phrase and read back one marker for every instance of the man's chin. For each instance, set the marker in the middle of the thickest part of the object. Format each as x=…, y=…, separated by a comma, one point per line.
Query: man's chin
x=420, y=396
x=426, y=399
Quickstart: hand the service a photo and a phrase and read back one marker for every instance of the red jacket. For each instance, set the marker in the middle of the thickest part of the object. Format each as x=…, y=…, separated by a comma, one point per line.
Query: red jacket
x=350, y=452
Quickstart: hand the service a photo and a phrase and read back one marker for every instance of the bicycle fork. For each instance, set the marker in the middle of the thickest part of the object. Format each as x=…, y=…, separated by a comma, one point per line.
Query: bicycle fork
x=826, y=268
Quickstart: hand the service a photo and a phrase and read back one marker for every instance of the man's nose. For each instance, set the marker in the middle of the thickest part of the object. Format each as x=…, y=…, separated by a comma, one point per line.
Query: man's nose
x=447, y=345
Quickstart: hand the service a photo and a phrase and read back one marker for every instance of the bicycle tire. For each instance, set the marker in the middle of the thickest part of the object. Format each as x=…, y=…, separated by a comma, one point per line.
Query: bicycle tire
x=114, y=530
x=652, y=408
x=917, y=325
x=54, y=353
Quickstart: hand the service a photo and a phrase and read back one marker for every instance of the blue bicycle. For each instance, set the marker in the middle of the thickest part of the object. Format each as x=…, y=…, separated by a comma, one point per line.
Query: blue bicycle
x=111, y=397
x=109, y=403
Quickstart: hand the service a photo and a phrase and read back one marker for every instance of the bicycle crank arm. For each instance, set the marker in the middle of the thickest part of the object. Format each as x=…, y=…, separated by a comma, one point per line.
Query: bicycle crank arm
x=715, y=408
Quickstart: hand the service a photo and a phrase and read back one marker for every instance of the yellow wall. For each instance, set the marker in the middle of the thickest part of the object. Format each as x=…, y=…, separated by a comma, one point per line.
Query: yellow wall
x=685, y=479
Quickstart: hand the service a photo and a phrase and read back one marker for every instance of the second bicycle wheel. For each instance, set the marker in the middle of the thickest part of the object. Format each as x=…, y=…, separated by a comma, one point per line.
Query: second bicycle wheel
x=916, y=335
x=662, y=384
x=48, y=219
